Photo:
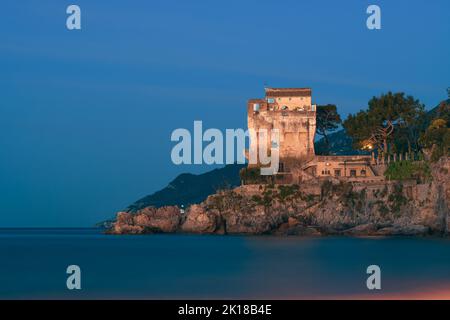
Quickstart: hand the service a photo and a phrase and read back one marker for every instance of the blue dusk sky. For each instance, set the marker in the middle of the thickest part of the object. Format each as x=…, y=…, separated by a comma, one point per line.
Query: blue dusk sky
x=86, y=116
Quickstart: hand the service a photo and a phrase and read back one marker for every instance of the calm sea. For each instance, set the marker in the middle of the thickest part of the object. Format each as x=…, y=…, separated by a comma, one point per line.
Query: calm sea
x=33, y=265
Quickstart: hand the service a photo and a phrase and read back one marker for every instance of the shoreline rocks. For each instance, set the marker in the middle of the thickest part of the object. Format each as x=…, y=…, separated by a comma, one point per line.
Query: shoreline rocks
x=391, y=209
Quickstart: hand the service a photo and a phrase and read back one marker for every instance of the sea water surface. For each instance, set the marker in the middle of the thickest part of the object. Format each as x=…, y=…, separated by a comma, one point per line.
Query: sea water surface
x=33, y=265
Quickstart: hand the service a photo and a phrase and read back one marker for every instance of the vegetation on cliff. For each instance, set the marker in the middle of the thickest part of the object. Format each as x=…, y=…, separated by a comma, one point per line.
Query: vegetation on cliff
x=437, y=139
x=252, y=175
x=409, y=170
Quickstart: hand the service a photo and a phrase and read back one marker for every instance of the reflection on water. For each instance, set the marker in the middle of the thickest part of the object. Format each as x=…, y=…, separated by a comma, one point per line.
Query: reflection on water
x=34, y=261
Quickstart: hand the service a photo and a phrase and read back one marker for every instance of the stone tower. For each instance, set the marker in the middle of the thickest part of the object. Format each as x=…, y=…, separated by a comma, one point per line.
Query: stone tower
x=291, y=111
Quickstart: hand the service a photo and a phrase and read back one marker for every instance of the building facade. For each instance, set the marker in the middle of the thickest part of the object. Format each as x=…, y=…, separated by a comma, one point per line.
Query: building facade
x=292, y=112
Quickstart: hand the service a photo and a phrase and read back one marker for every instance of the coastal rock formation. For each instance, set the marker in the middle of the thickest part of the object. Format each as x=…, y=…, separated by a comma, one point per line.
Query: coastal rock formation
x=147, y=220
x=388, y=208
x=199, y=220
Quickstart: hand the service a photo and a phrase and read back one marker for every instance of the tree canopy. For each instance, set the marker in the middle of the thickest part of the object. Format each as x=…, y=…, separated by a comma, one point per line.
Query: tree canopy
x=327, y=121
x=437, y=136
x=389, y=119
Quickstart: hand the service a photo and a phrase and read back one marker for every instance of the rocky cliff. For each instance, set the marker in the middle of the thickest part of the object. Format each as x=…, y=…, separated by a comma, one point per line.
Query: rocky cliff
x=391, y=208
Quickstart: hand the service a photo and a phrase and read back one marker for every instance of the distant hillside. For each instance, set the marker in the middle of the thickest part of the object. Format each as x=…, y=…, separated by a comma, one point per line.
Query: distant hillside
x=340, y=144
x=434, y=113
x=189, y=188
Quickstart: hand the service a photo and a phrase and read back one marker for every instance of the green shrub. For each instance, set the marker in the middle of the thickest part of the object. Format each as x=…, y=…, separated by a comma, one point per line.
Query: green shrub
x=257, y=199
x=253, y=176
x=396, y=198
x=383, y=209
x=286, y=191
x=407, y=170
x=326, y=188
x=437, y=138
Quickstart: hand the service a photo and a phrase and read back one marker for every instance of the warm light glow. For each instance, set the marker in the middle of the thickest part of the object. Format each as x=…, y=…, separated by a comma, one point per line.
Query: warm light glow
x=368, y=146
